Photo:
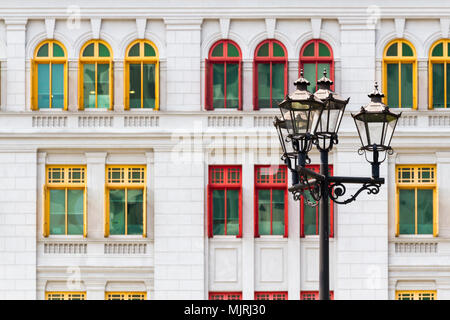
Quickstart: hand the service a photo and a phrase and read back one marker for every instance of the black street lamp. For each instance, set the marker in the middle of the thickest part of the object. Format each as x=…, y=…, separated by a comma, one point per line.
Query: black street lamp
x=309, y=119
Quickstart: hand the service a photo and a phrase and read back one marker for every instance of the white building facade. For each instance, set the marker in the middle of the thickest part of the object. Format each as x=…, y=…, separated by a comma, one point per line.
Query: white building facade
x=395, y=243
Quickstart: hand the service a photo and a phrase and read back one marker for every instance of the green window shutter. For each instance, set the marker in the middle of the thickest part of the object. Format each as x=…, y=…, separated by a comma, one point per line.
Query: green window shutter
x=218, y=215
x=232, y=85
x=424, y=211
x=135, y=85
x=407, y=85
x=89, y=85
x=103, y=85
x=117, y=211
x=392, y=85
x=135, y=211
x=149, y=85
x=57, y=211
x=277, y=83
x=232, y=212
x=278, y=212
x=218, y=85
x=75, y=205
x=263, y=85
x=264, y=211
x=58, y=86
x=407, y=211
x=438, y=85
x=43, y=85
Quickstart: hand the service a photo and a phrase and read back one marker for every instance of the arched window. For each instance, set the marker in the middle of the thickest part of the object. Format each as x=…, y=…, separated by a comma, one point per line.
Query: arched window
x=439, y=70
x=49, y=76
x=399, y=74
x=223, y=76
x=269, y=74
x=315, y=56
x=142, y=75
x=96, y=76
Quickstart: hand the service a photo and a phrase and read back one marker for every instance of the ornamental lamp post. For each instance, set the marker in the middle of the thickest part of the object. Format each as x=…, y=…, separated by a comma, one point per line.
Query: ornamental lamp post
x=314, y=119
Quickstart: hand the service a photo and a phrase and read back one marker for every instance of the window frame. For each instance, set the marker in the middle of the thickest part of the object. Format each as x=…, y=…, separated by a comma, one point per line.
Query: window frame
x=416, y=185
x=269, y=59
x=142, y=59
x=271, y=185
x=66, y=295
x=416, y=294
x=317, y=59
x=316, y=168
x=96, y=60
x=399, y=59
x=314, y=294
x=126, y=186
x=271, y=295
x=226, y=295
x=445, y=59
x=225, y=59
x=223, y=186
x=65, y=185
x=126, y=295
x=50, y=60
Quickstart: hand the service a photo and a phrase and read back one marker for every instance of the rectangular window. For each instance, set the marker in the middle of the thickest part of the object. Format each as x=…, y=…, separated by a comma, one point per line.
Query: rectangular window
x=416, y=295
x=126, y=295
x=271, y=295
x=309, y=215
x=65, y=201
x=313, y=295
x=65, y=296
x=271, y=205
x=225, y=296
x=417, y=199
x=224, y=201
x=125, y=200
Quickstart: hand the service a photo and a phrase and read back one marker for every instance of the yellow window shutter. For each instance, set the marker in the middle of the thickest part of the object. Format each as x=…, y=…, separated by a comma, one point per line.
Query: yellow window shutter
x=80, y=86
x=66, y=85
x=126, y=93
x=33, y=85
x=45, y=211
x=85, y=209
x=106, y=214
x=436, y=212
x=111, y=86
x=157, y=85
x=144, y=227
x=397, y=213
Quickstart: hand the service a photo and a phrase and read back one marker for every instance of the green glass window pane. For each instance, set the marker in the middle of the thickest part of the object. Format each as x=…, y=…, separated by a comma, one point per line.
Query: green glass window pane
x=43, y=85
x=135, y=207
x=278, y=212
x=407, y=50
x=135, y=85
x=277, y=84
x=278, y=50
x=149, y=51
x=102, y=85
x=149, y=85
x=438, y=85
x=218, y=207
x=309, y=51
x=43, y=51
x=218, y=85
x=424, y=211
x=232, y=212
x=407, y=85
x=263, y=50
x=309, y=73
x=407, y=211
x=232, y=50
x=218, y=51
x=134, y=51
x=321, y=67
x=232, y=85
x=89, y=85
x=392, y=51
x=89, y=51
x=263, y=85
x=117, y=211
x=392, y=85
x=57, y=85
x=310, y=217
x=448, y=85
x=57, y=50
x=75, y=205
x=103, y=50
x=438, y=51
x=57, y=211
x=264, y=211
x=323, y=50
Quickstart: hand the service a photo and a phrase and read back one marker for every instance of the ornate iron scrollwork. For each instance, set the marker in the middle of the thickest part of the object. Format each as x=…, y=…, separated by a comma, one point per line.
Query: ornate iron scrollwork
x=337, y=190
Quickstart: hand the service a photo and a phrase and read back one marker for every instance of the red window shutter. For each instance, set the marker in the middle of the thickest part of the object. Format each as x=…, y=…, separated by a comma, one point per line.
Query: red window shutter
x=208, y=86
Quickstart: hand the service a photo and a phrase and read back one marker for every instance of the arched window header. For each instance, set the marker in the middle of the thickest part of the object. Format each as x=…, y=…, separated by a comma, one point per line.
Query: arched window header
x=438, y=77
x=142, y=49
x=96, y=49
x=315, y=56
x=50, y=49
x=225, y=49
x=270, y=49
